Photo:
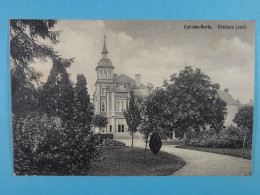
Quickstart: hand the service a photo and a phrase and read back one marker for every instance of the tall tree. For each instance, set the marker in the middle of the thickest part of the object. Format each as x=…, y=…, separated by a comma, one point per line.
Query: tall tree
x=57, y=94
x=153, y=114
x=193, y=101
x=244, y=118
x=82, y=103
x=132, y=116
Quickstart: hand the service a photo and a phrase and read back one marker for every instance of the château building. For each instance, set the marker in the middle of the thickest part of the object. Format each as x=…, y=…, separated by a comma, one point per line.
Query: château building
x=112, y=94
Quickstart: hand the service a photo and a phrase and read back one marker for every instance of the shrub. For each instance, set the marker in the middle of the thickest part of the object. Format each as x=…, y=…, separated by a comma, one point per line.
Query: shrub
x=45, y=146
x=155, y=143
x=226, y=138
x=105, y=136
x=111, y=142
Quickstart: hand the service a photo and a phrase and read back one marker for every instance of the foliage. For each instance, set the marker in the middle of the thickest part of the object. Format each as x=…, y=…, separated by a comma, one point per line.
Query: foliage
x=245, y=117
x=51, y=124
x=57, y=95
x=132, y=115
x=42, y=146
x=99, y=121
x=83, y=107
x=105, y=136
x=192, y=101
x=226, y=138
x=27, y=39
x=155, y=143
x=111, y=142
x=153, y=113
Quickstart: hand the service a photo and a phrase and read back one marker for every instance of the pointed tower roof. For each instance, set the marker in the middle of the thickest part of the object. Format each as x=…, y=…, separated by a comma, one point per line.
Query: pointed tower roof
x=104, y=61
x=104, y=46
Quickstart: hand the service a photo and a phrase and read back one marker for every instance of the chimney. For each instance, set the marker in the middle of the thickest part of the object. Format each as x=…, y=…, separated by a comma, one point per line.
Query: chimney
x=137, y=80
x=114, y=76
x=226, y=90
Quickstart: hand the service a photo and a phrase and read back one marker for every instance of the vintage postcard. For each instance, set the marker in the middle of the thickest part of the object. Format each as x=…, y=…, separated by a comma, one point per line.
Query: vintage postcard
x=132, y=97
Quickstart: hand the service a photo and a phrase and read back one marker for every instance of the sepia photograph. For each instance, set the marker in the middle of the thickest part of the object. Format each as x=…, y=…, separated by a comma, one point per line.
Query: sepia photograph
x=132, y=97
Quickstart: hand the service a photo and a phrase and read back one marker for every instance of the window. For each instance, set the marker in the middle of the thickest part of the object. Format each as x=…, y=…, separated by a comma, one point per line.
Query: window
x=121, y=128
x=120, y=105
x=110, y=128
x=103, y=91
x=121, y=87
x=103, y=105
x=123, y=105
x=121, y=125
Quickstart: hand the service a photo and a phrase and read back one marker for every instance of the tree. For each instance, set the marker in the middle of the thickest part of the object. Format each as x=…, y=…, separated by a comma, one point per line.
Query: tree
x=57, y=94
x=153, y=114
x=193, y=102
x=132, y=116
x=27, y=39
x=83, y=111
x=219, y=111
x=99, y=121
x=46, y=139
x=45, y=146
x=27, y=44
x=244, y=118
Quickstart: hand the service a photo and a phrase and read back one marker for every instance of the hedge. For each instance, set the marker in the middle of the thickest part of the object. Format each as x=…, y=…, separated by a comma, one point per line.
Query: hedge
x=227, y=138
x=105, y=136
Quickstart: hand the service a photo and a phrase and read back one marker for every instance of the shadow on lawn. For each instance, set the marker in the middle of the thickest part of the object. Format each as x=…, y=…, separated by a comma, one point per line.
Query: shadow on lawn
x=117, y=161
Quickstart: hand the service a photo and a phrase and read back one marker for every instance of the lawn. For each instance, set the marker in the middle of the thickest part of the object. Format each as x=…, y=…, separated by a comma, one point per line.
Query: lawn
x=245, y=153
x=118, y=162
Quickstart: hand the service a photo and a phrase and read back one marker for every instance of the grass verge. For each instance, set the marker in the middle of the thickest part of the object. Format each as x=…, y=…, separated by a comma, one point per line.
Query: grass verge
x=118, y=162
x=245, y=153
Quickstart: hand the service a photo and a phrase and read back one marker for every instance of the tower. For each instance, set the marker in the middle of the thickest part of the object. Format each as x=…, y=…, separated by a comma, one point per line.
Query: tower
x=104, y=71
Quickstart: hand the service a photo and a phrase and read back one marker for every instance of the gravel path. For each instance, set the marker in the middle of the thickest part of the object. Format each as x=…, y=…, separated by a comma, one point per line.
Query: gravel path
x=203, y=163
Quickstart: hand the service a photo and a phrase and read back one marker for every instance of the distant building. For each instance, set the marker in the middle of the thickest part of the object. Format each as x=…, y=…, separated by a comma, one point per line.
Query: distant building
x=232, y=107
x=112, y=94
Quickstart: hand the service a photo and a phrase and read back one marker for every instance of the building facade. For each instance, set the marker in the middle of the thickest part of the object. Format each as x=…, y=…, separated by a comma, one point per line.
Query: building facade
x=112, y=95
x=232, y=107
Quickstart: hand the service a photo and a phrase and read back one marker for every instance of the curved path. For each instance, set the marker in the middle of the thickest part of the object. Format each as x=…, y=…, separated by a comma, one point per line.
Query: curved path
x=202, y=163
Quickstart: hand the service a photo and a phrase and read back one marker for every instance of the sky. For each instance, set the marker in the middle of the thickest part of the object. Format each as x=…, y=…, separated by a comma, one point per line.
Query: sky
x=158, y=49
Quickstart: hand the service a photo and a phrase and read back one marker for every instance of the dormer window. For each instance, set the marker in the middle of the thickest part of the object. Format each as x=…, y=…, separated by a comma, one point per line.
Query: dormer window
x=121, y=87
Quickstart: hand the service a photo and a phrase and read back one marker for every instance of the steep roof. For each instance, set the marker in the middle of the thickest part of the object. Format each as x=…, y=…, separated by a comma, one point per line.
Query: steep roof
x=104, y=62
x=124, y=79
x=104, y=48
x=227, y=98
